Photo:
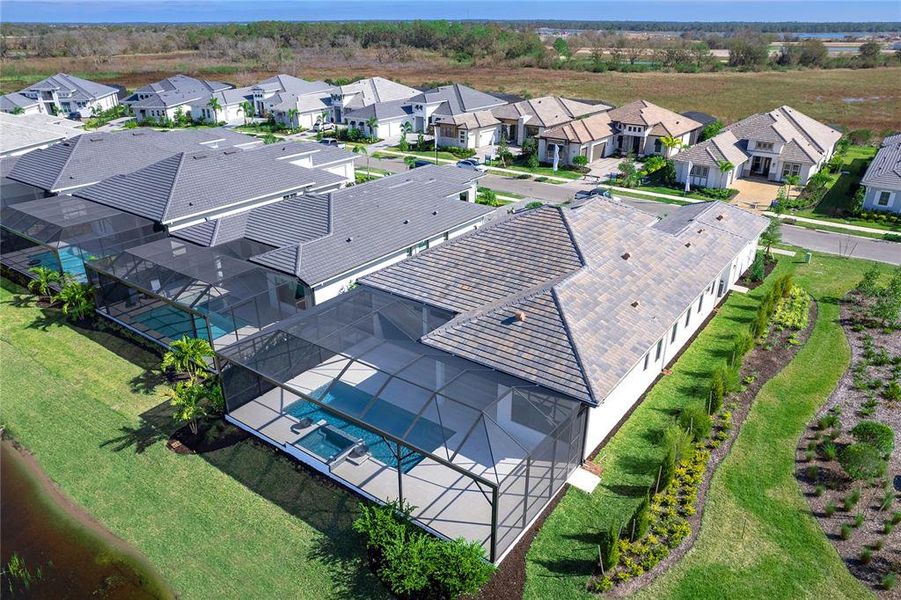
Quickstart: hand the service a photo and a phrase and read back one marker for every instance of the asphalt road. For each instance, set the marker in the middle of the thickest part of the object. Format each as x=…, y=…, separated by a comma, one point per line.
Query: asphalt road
x=820, y=241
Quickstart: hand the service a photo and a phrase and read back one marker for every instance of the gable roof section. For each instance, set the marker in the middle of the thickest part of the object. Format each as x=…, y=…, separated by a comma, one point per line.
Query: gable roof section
x=548, y=111
x=457, y=99
x=291, y=84
x=885, y=169
x=10, y=102
x=588, y=320
x=582, y=131
x=78, y=88
x=723, y=146
x=805, y=140
x=662, y=121
x=376, y=89
x=393, y=109
x=469, y=120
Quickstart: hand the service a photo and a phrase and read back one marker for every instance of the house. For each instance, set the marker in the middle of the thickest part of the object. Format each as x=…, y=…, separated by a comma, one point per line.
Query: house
x=367, y=92
x=17, y=103
x=66, y=94
x=229, y=277
x=466, y=129
x=641, y=126
x=292, y=101
x=234, y=107
x=713, y=163
x=21, y=133
x=883, y=177
x=777, y=143
x=382, y=119
x=166, y=99
x=591, y=137
x=530, y=118
x=472, y=379
x=448, y=101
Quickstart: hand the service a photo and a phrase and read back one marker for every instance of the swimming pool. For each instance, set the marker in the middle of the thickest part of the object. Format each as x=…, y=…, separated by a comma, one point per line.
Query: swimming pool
x=348, y=398
x=175, y=324
x=69, y=259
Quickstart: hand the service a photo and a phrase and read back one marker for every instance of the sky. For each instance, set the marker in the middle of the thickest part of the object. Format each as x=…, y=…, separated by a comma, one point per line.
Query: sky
x=188, y=11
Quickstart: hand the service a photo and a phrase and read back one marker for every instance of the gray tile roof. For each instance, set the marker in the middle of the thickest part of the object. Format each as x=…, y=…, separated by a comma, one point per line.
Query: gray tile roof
x=457, y=99
x=373, y=220
x=393, y=109
x=174, y=91
x=189, y=184
x=294, y=85
x=10, y=102
x=723, y=146
x=470, y=120
x=885, y=169
x=76, y=87
x=805, y=140
x=375, y=89
x=587, y=318
x=92, y=157
x=548, y=111
x=20, y=132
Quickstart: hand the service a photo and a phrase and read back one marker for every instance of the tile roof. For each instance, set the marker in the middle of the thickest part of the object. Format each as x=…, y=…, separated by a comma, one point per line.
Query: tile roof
x=375, y=89
x=174, y=91
x=805, y=139
x=393, y=109
x=92, y=157
x=885, y=169
x=19, y=132
x=294, y=85
x=662, y=121
x=77, y=88
x=10, y=102
x=469, y=120
x=581, y=131
x=457, y=99
x=548, y=111
x=190, y=184
x=723, y=146
x=576, y=313
x=374, y=220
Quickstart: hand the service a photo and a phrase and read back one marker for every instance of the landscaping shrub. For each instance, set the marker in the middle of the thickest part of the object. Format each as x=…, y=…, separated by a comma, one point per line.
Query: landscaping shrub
x=534, y=204
x=876, y=434
x=717, y=390
x=694, y=419
x=829, y=450
x=677, y=439
x=414, y=564
x=889, y=581
x=862, y=461
x=743, y=343
x=830, y=508
x=609, y=548
x=667, y=470
x=866, y=556
x=757, y=267
x=793, y=309
x=845, y=531
x=638, y=524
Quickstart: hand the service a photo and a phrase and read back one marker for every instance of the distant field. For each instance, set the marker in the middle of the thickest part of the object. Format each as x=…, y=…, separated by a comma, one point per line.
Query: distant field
x=865, y=98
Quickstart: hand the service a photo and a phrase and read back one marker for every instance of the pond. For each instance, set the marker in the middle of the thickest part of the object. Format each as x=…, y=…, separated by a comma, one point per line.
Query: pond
x=51, y=548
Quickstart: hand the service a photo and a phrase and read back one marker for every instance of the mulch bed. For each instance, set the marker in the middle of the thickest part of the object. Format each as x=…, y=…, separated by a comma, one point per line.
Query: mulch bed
x=769, y=263
x=212, y=435
x=763, y=364
x=837, y=485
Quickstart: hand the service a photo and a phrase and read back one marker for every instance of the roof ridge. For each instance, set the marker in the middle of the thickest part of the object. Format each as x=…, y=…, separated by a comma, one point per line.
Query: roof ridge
x=78, y=140
x=583, y=371
x=572, y=236
x=181, y=162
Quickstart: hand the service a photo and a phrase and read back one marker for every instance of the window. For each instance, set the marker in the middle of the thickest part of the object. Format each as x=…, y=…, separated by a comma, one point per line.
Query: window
x=766, y=146
x=657, y=146
x=884, y=198
x=462, y=136
x=659, y=350
x=688, y=316
x=700, y=302
x=675, y=329
x=791, y=169
x=699, y=171
x=647, y=359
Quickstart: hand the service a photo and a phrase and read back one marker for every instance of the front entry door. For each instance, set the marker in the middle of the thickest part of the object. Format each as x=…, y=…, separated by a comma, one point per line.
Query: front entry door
x=636, y=145
x=760, y=165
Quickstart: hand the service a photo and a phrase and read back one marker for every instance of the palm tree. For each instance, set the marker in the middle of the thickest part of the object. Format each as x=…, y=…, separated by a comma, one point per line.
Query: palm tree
x=292, y=114
x=362, y=150
x=669, y=142
x=373, y=124
x=43, y=278
x=247, y=110
x=791, y=181
x=187, y=398
x=215, y=107
x=725, y=166
x=323, y=117
x=75, y=298
x=189, y=356
x=409, y=161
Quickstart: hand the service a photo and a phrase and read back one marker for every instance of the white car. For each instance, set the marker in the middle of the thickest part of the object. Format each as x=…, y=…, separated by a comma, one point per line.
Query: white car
x=318, y=126
x=331, y=142
x=472, y=165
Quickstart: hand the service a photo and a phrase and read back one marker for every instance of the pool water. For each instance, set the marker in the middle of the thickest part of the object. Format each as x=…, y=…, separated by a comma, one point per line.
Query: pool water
x=325, y=443
x=175, y=324
x=344, y=397
x=69, y=258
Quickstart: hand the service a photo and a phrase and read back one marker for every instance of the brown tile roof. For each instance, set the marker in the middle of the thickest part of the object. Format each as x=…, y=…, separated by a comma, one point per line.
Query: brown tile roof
x=662, y=121
x=582, y=131
x=548, y=111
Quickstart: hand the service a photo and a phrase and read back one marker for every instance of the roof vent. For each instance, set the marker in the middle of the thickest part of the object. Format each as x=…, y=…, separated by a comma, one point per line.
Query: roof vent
x=635, y=304
x=519, y=315
x=96, y=139
x=199, y=156
x=626, y=256
x=406, y=221
x=720, y=217
x=700, y=231
x=434, y=212
x=688, y=244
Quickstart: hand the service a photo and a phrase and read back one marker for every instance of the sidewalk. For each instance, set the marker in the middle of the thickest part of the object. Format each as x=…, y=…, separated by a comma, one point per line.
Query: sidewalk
x=493, y=169
x=847, y=226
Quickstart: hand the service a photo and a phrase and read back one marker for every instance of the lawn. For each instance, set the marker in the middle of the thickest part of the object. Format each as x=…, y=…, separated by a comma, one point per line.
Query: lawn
x=754, y=489
x=757, y=538
x=662, y=189
x=240, y=522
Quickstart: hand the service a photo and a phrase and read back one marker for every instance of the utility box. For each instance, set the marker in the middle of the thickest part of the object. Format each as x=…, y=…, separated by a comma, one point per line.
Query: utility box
x=807, y=257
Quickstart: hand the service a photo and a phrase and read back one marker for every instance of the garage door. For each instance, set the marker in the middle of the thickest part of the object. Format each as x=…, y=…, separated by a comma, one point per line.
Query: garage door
x=597, y=151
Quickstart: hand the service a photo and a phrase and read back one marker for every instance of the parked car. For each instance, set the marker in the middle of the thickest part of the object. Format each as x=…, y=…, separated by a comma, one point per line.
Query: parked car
x=421, y=162
x=331, y=142
x=323, y=126
x=472, y=165
x=592, y=193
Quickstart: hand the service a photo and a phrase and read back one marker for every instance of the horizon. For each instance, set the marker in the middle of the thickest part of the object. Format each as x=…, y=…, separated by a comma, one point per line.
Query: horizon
x=186, y=12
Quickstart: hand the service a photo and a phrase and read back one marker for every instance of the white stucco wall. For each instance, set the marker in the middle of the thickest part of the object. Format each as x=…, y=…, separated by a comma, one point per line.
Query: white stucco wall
x=872, y=195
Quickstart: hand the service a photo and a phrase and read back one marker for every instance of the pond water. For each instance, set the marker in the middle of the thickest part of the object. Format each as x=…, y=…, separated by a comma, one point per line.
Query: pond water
x=51, y=548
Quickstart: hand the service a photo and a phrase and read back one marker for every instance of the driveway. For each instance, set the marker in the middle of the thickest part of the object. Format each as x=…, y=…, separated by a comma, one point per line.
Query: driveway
x=754, y=194
x=604, y=167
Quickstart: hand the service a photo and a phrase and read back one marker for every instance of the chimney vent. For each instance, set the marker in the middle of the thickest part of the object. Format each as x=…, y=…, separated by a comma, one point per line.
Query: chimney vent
x=406, y=221
x=635, y=304
x=626, y=256
x=688, y=244
x=350, y=239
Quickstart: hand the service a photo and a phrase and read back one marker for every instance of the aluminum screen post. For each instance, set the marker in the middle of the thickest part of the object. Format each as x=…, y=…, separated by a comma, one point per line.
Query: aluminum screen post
x=400, y=478
x=525, y=508
x=493, y=524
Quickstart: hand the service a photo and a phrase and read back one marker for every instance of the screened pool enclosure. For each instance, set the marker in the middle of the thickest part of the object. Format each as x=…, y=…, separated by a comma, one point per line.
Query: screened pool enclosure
x=346, y=388
x=169, y=289
x=64, y=232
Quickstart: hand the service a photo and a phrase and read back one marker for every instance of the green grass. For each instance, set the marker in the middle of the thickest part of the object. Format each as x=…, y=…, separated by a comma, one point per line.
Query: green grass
x=541, y=170
x=637, y=194
x=662, y=189
x=758, y=539
x=426, y=154
x=753, y=491
x=240, y=522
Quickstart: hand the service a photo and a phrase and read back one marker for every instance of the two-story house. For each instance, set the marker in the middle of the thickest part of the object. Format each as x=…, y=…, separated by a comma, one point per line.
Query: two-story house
x=68, y=95
x=773, y=145
x=883, y=177
x=162, y=100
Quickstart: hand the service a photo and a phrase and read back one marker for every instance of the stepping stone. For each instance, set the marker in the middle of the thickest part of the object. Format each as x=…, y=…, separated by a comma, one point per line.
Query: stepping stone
x=583, y=480
x=740, y=289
